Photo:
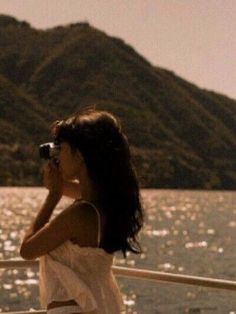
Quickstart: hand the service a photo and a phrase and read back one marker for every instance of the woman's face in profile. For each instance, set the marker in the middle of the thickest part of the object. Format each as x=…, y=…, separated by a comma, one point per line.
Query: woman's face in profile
x=69, y=162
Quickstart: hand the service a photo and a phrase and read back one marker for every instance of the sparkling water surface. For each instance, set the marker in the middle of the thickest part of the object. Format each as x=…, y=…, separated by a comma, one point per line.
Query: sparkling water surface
x=185, y=232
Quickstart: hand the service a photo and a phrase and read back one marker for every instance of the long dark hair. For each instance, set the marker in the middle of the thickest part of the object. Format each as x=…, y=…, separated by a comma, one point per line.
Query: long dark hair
x=99, y=138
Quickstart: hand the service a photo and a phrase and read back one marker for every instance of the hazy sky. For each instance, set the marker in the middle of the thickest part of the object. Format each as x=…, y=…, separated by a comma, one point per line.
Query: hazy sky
x=194, y=38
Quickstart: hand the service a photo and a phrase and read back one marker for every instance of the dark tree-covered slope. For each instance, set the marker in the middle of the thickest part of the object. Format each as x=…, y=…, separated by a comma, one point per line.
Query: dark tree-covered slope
x=181, y=136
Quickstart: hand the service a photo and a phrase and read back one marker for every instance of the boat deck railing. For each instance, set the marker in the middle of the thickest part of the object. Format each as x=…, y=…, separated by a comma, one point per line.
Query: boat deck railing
x=136, y=273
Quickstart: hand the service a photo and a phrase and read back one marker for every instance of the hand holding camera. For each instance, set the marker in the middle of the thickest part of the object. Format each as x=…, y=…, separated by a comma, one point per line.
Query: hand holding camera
x=52, y=176
x=52, y=179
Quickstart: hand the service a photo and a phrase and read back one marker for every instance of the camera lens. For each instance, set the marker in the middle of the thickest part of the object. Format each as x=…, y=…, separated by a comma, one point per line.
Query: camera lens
x=44, y=151
x=49, y=151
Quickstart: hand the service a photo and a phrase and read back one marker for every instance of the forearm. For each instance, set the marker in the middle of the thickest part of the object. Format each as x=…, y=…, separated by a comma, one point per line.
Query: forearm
x=71, y=189
x=43, y=215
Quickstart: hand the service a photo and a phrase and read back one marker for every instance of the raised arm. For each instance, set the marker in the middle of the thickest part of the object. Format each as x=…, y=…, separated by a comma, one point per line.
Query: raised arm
x=69, y=188
x=40, y=222
x=76, y=221
x=54, y=183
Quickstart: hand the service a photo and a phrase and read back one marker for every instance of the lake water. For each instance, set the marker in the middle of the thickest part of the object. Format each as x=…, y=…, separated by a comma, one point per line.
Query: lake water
x=186, y=232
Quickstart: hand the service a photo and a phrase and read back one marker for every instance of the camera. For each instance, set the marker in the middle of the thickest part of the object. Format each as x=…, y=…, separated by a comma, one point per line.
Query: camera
x=49, y=151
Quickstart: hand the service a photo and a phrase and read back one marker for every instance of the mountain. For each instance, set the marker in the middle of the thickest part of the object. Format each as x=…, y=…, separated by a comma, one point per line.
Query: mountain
x=181, y=136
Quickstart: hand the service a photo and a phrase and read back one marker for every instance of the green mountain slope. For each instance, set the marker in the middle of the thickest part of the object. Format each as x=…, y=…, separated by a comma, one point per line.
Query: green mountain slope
x=181, y=136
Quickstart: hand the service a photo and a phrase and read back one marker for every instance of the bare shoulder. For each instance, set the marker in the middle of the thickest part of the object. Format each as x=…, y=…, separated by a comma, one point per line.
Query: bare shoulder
x=84, y=222
x=81, y=209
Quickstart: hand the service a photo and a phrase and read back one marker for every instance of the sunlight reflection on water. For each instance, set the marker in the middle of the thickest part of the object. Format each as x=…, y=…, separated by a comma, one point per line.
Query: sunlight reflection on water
x=191, y=232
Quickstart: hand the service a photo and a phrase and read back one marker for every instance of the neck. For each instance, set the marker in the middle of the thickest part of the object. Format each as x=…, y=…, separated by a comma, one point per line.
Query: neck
x=88, y=188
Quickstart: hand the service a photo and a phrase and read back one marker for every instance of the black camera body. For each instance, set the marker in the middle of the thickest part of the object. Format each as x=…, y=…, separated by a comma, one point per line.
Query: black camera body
x=49, y=151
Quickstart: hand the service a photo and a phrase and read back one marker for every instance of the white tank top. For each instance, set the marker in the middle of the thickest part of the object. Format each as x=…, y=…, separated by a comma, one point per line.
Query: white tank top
x=83, y=274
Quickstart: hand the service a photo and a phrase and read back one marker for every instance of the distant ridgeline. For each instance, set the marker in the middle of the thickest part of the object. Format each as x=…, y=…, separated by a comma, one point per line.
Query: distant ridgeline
x=181, y=136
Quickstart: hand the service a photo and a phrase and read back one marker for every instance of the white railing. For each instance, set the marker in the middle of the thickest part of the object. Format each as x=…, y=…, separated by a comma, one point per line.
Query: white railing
x=138, y=274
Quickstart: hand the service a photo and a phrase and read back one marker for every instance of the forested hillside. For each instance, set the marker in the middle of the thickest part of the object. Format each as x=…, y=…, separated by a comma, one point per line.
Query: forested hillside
x=181, y=136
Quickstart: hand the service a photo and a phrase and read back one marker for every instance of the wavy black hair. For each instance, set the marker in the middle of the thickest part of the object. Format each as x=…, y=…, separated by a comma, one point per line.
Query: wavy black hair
x=99, y=137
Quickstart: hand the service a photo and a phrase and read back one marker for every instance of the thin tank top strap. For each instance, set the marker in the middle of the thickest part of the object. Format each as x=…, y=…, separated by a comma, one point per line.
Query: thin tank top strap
x=99, y=222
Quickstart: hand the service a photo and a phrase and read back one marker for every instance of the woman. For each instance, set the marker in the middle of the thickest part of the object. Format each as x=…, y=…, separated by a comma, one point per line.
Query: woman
x=76, y=248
